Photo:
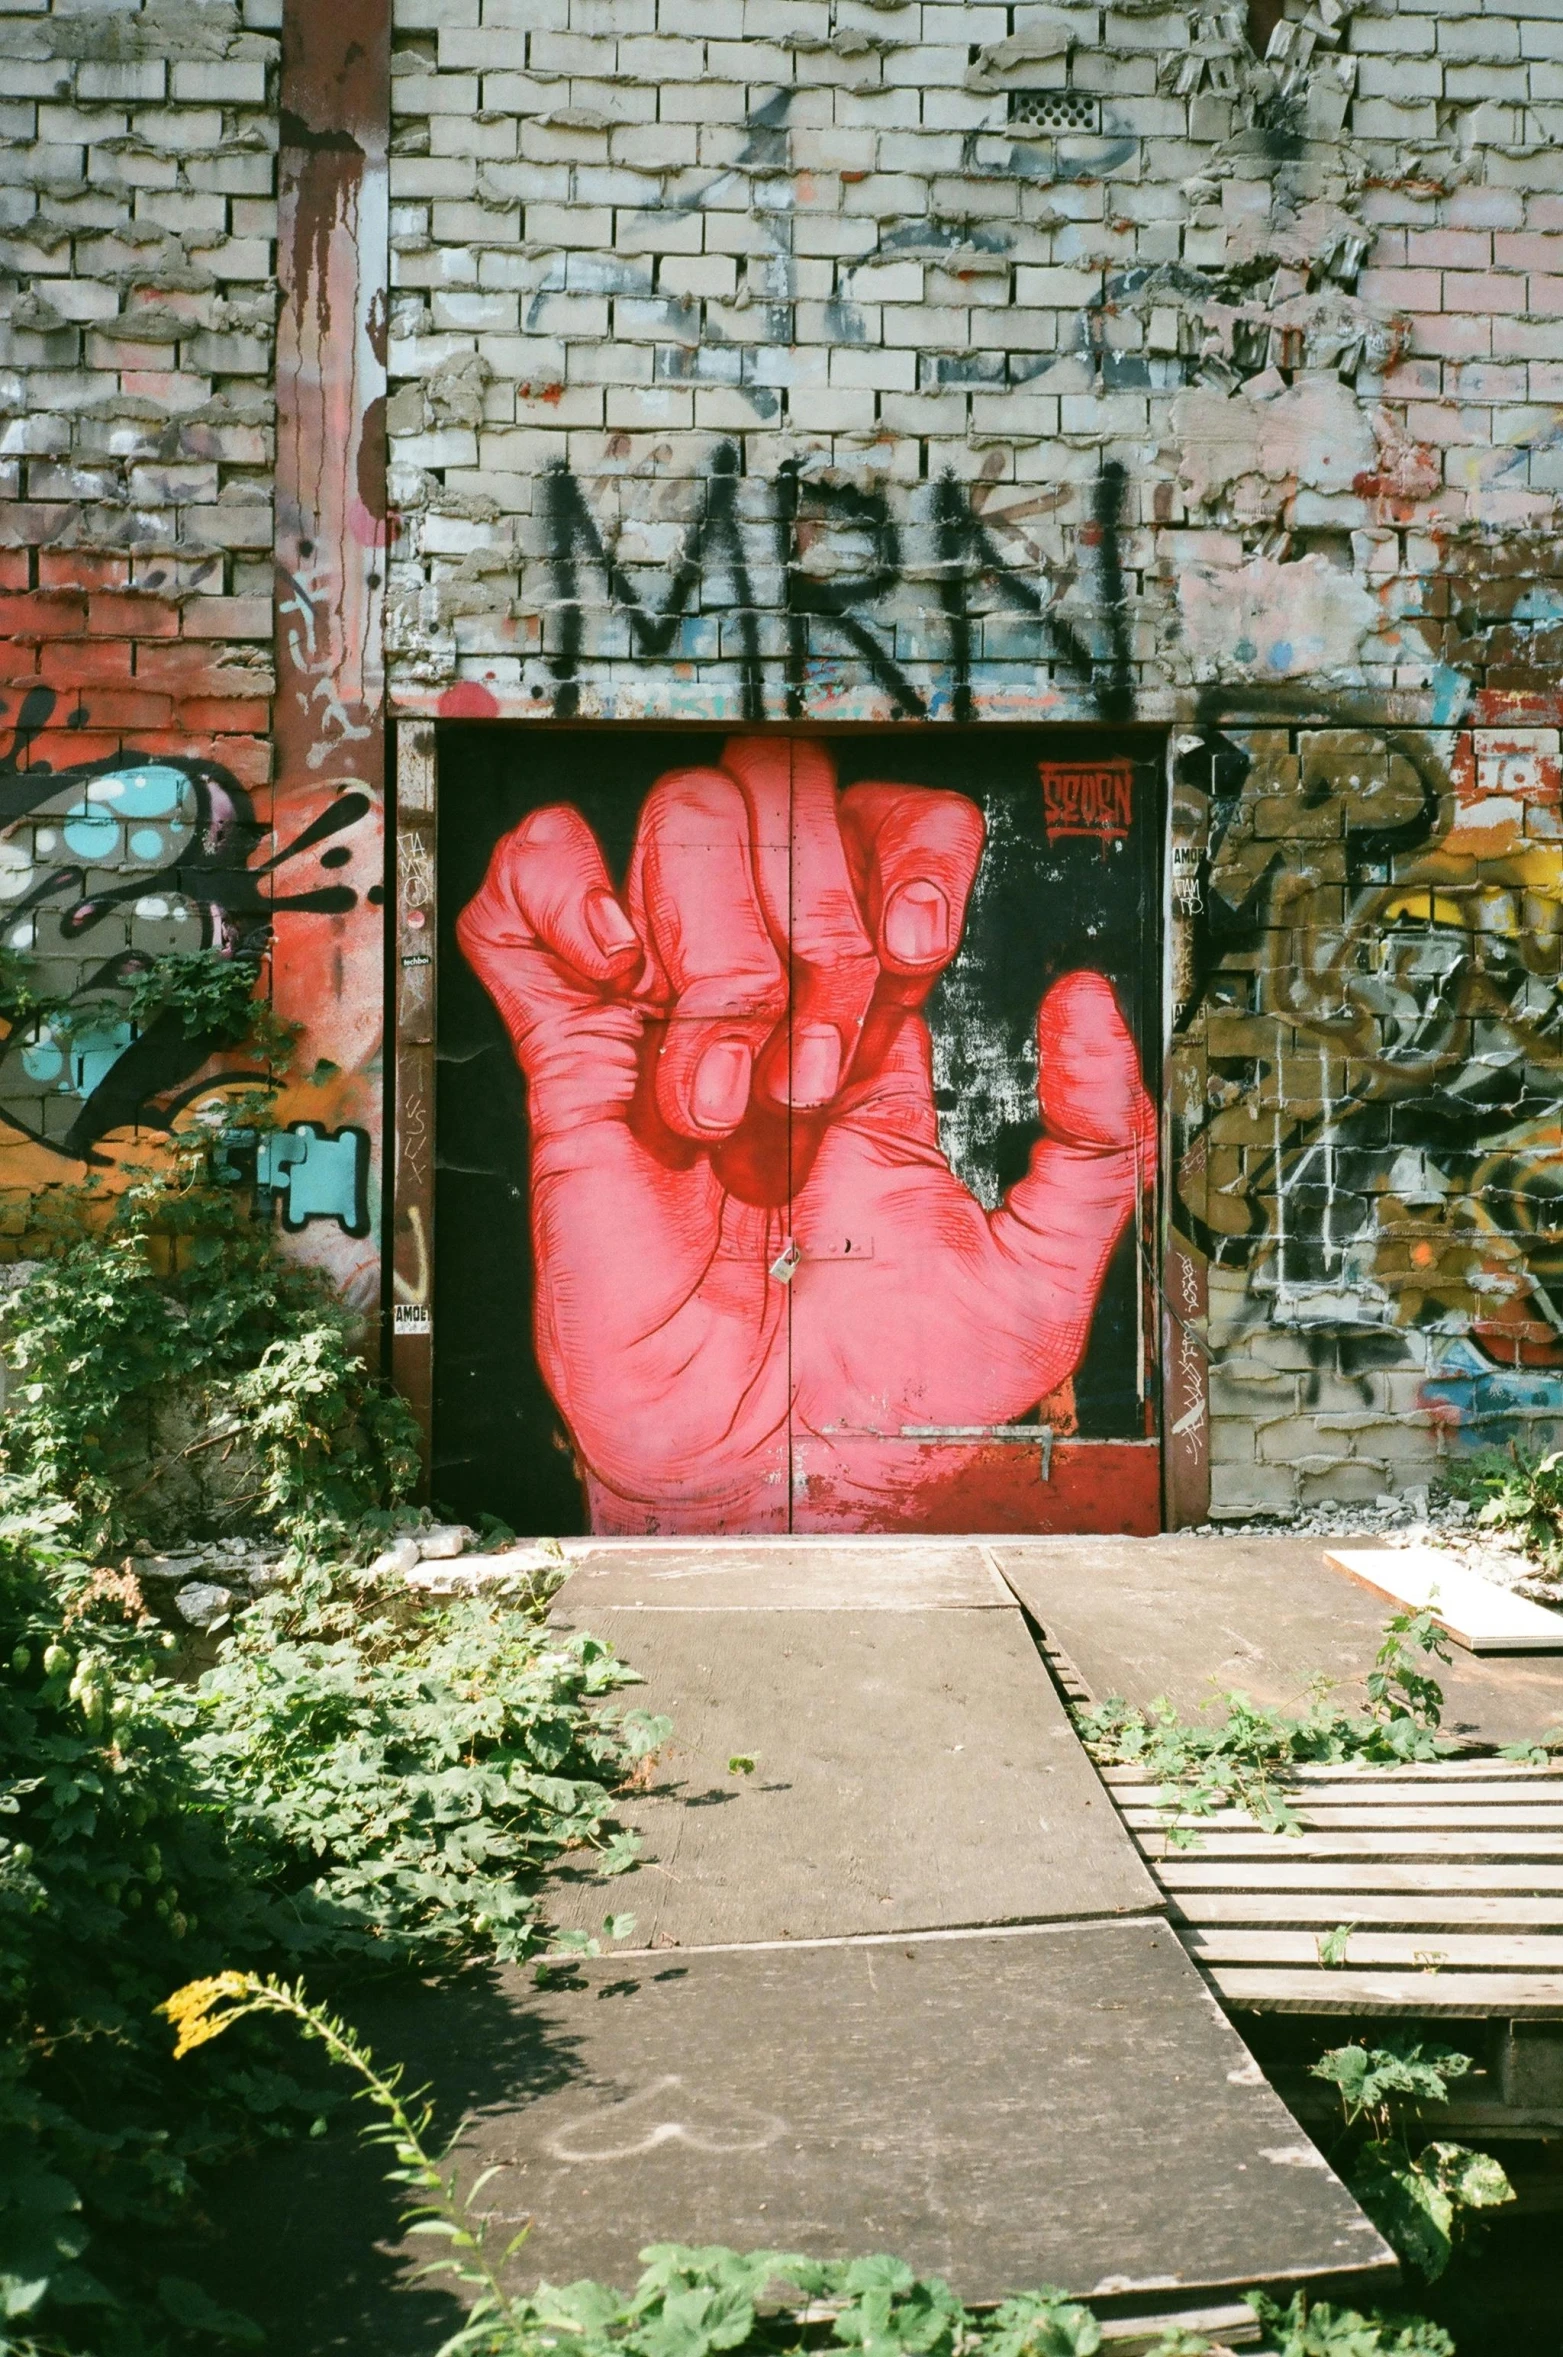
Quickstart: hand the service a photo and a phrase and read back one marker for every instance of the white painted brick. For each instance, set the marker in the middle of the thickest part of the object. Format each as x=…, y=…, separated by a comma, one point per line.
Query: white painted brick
x=178, y=127
x=485, y=49
x=136, y=78
x=234, y=81
x=68, y=126
x=32, y=77
x=434, y=94
x=1491, y=37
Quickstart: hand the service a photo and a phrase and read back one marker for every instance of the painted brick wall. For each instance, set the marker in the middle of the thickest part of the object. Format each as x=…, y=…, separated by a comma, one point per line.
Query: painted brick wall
x=148, y=801
x=138, y=208
x=863, y=361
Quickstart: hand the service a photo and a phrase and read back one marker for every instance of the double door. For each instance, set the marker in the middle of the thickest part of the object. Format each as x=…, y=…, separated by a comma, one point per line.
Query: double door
x=795, y=1161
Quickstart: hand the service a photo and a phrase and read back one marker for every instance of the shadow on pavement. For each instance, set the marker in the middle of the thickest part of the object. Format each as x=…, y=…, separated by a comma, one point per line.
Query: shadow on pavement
x=302, y=2238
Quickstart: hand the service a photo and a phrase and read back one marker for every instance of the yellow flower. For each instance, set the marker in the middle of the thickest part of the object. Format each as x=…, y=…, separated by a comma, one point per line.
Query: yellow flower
x=190, y=2009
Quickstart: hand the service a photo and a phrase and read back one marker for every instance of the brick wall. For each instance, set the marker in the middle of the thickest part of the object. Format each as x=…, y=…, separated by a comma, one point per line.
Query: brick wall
x=855, y=360
x=144, y=791
x=138, y=209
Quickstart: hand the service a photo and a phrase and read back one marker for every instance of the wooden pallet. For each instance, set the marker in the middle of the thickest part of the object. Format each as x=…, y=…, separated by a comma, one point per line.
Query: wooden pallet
x=1449, y=1875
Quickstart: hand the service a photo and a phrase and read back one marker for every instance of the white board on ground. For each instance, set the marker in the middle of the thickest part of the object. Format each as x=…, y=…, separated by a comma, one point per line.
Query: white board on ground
x=1476, y=1612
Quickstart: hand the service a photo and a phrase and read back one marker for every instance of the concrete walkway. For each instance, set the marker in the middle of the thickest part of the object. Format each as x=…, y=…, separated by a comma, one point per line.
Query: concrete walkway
x=907, y=1986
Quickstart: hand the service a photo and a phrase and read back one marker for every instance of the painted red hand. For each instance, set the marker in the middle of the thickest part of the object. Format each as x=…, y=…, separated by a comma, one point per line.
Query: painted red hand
x=685, y=1126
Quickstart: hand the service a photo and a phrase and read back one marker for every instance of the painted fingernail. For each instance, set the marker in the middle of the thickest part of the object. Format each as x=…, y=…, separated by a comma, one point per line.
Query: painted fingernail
x=607, y=924
x=719, y=1091
x=917, y=924
x=816, y=1063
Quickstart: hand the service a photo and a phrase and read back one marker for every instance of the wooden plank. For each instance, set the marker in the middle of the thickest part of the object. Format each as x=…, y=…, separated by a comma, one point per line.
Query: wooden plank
x=915, y=1770
x=1476, y=1612
x=331, y=108
x=1473, y=1995
x=412, y=1201
x=1457, y=1771
x=1217, y=1844
x=1192, y=1617
x=782, y=1575
x=1539, y=1817
x=1366, y=1791
x=1408, y=1910
x=1184, y=1872
x=888, y=2096
x=1464, y=1951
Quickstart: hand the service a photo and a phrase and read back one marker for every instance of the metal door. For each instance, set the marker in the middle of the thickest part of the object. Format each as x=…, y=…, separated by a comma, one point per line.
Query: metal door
x=747, y=1216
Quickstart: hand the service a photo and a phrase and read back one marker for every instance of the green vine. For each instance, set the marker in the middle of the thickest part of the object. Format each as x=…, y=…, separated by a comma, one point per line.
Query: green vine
x=213, y=997
x=210, y=995
x=172, y=1339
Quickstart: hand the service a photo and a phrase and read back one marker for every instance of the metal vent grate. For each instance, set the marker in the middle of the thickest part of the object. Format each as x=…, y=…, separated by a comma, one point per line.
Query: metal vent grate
x=1055, y=110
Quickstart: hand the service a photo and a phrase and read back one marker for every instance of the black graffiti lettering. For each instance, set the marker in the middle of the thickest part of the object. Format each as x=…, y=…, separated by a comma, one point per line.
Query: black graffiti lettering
x=573, y=533
x=967, y=552
x=809, y=595
x=1112, y=687
x=807, y=509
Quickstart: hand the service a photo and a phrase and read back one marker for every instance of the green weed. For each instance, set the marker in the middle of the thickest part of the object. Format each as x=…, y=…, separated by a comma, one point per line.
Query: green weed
x=1242, y=1760
x=1421, y=2194
x=1519, y=1492
x=361, y=1780
x=175, y=1328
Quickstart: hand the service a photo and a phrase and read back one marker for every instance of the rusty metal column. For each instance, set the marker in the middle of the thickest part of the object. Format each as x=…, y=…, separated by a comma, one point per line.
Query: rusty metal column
x=328, y=974
x=412, y=1227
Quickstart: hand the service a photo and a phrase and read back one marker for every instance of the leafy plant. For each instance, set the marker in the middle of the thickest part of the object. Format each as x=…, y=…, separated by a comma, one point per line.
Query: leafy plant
x=172, y=1328
x=1242, y=1761
x=1420, y=2195
x=212, y=997
x=1520, y=1492
x=1313, y=2328
x=363, y=1779
x=205, y=993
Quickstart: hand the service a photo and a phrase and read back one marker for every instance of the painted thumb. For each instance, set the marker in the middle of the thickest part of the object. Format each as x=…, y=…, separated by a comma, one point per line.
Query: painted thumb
x=1088, y=1082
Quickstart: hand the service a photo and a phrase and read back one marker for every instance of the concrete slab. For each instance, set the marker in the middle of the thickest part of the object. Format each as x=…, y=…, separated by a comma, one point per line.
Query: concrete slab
x=776, y=1575
x=914, y=1770
x=1191, y=1617
x=1063, y=2106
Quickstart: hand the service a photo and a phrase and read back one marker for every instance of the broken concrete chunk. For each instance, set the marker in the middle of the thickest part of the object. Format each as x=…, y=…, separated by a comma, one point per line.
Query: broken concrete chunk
x=168, y=1567
x=205, y=1606
x=402, y=1555
x=1014, y=63
x=445, y=1540
x=487, y=1570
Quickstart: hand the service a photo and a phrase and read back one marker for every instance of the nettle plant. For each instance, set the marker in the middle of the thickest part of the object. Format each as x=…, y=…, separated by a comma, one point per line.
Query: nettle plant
x=1422, y=2193
x=364, y=1780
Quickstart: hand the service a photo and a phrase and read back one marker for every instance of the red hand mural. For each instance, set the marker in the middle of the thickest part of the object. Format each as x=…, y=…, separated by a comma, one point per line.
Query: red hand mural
x=729, y=1054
